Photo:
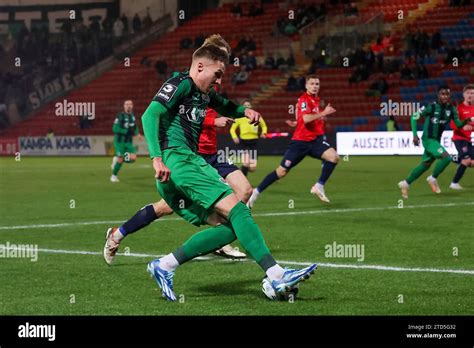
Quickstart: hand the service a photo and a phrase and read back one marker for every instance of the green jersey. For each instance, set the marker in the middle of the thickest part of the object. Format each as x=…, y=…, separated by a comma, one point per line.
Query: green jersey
x=437, y=117
x=176, y=114
x=125, y=127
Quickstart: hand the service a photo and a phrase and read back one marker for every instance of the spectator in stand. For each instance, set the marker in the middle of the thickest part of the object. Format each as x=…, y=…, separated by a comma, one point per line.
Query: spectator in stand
x=95, y=28
x=240, y=77
x=351, y=10
x=270, y=62
x=250, y=61
x=147, y=21
x=436, y=41
x=236, y=10
x=420, y=71
x=118, y=31
x=251, y=44
x=406, y=73
x=290, y=61
x=161, y=68
x=136, y=23
x=281, y=63
x=292, y=84
x=378, y=87
x=233, y=42
x=186, y=43
x=361, y=73
x=290, y=28
x=107, y=26
x=378, y=51
x=255, y=9
x=124, y=20
x=199, y=40
x=242, y=45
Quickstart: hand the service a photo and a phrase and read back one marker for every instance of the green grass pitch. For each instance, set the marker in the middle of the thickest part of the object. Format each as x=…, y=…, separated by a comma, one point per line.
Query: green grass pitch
x=431, y=232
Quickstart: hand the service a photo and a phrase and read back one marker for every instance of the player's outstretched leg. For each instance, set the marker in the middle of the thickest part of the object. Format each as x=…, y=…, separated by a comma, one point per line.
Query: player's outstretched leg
x=241, y=226
x=330, y=159
x=118, y=164
x=440, y=167
x=467, y=162
x=404, y=185
x=277, y=174
x=141, y=219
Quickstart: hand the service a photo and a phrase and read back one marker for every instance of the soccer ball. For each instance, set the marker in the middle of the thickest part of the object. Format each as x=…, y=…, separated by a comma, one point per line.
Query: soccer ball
x=270, y=293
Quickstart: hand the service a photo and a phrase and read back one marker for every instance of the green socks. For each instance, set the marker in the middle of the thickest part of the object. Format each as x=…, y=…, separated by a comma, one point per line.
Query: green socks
x=242, y=226
x=441, y=165
x=204, y=242
x=116, y=168
x=249, y=235
x=416, y=173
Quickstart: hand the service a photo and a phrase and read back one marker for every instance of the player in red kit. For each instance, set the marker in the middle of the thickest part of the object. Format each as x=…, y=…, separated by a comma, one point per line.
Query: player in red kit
x=309, y=139
x=149, y=213
x=462, y=136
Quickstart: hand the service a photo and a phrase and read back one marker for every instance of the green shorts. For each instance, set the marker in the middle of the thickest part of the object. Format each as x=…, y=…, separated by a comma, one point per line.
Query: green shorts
x=433, y=150
x=122, y=148
x=194, y=186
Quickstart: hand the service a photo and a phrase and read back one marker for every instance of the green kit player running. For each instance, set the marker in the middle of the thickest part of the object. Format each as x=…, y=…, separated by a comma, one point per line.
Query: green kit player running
x=437, y=115
x=125, y=128
x=172, y=125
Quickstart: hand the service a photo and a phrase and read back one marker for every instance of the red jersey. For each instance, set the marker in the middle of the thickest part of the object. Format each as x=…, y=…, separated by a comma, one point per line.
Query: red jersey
x=208, y=138
x=307, y=104
x=464, y=111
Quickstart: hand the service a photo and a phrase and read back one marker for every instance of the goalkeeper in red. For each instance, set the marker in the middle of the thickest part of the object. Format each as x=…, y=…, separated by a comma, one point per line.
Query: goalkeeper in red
x=437, y=116
x=194, y=190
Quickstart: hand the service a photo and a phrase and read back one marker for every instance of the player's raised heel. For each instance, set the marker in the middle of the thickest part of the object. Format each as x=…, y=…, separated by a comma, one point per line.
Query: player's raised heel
x=404, y=186
x=111, y=246
x=163, y=278
x=433, y=184
x=318, y=190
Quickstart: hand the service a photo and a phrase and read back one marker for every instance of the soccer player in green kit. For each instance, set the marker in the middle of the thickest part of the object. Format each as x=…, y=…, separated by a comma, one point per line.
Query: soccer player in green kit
x=437, y=115
x=125, y=128
x=190, y=186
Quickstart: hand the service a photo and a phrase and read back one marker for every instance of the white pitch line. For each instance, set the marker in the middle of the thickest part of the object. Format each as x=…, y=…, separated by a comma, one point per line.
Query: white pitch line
x=283, y=262
x=307, y=212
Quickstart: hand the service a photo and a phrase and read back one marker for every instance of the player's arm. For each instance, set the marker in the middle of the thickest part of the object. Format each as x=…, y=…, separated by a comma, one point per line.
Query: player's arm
x=423, y=112
x=151, y=122
x=263, y=125
x=117, y=127
x=460, y=124
x=228, y=108
x=165, y=101
x=328, y=110
x=233, y=132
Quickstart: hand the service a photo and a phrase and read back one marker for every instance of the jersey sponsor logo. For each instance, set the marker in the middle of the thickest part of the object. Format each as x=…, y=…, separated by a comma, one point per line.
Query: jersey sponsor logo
x=195, y=115
x=166, y=92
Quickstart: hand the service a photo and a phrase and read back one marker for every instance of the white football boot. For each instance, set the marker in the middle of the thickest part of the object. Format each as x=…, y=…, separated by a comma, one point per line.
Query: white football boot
x=404, y=186
x=253, y=198
x=230, y=252
x=433, y=184
x=318, y=190
x=455, y=186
